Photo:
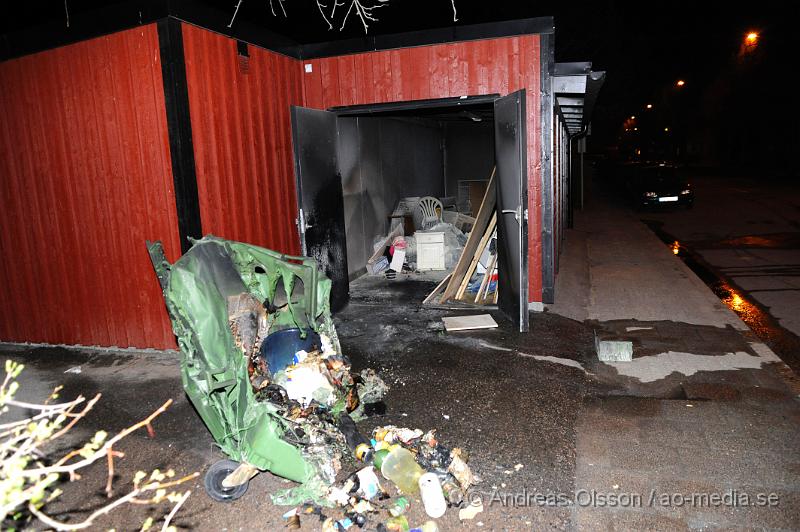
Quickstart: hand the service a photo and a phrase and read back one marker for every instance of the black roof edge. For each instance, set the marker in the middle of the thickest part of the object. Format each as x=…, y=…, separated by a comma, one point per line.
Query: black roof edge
x=575, y=68
x=432, y=103
x=594, y=82
x=132, y=13
x=469, y=32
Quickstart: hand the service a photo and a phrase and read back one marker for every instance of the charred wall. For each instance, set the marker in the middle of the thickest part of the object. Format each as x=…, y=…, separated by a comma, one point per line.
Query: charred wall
x=382, y=161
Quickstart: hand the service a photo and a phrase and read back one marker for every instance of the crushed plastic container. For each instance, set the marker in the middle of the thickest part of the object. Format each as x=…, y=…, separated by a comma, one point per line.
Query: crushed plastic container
x=400, y=467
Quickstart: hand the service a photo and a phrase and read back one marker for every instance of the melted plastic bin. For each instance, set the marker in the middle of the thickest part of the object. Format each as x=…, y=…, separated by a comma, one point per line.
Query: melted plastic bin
x=214, y=370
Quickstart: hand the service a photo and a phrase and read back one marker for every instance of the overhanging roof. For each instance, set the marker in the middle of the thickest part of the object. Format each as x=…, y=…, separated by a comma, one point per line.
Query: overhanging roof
x=575, y=87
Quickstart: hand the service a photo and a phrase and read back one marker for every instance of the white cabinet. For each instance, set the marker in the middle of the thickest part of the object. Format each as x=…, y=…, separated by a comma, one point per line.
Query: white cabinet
x=430, y=251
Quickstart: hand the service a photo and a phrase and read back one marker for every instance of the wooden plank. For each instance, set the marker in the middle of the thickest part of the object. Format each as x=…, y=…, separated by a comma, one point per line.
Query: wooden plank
x=436, y=290
x=486, y=292
x=466, y=323
x=486, y=278
x=477, y=257
x=478, y=229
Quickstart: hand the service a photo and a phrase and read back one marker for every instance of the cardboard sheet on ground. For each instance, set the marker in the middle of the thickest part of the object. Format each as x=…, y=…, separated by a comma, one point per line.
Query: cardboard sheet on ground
x=466, y=323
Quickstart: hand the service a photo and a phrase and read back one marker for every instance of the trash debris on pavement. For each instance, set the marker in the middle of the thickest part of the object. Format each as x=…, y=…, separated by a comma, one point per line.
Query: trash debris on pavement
x=74, y=369
x=432, y=496
x=469, y=512
x=262, y=364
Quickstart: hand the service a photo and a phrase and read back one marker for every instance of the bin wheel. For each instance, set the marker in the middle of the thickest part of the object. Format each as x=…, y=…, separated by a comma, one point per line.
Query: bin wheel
x=213, y=482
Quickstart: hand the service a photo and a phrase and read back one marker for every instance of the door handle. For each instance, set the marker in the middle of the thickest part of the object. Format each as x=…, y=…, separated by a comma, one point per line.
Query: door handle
x=515, y=212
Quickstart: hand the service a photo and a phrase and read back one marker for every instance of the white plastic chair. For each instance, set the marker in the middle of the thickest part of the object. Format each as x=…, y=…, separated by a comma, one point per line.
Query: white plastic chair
x=430, y=215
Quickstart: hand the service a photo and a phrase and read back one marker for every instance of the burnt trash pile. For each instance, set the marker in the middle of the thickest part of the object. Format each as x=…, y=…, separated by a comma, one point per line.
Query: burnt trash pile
x=262, y=364
x=398, y=467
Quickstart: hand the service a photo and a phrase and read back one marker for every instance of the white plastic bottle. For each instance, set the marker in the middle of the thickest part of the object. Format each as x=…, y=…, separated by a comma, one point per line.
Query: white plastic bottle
x=432, y=497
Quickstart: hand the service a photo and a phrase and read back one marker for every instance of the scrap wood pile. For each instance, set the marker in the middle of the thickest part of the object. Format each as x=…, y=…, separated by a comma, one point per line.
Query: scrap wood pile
x=480, y=252
x=267, y=375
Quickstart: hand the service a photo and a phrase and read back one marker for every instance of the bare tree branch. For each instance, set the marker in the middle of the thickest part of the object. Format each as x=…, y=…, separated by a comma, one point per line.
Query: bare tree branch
x=363, y=9
x=321, y=8
x=235, y=12
x=60, y=468
x=175, y=510
x=272, y=7
x=364, y=12
x=129, y=497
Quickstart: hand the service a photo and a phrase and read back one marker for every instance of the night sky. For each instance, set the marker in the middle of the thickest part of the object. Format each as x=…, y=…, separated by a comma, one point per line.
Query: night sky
x=643, y=49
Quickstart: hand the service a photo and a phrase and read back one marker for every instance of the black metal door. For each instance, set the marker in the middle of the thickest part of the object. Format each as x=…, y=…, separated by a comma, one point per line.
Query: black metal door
x=319, y=192
x=512, y=207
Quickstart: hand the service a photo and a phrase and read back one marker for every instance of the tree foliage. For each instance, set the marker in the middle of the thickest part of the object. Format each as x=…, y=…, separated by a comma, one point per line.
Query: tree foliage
x=31, y=476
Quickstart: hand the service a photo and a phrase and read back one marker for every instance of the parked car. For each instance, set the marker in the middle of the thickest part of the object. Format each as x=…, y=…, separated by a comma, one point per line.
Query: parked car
x=654, y=185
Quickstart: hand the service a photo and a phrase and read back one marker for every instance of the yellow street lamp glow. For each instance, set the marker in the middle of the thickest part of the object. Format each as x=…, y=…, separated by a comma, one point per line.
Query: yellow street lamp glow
x=649, y=105
x=666, y=129
x=680, y=83
x=751, y=38
x=633, y=117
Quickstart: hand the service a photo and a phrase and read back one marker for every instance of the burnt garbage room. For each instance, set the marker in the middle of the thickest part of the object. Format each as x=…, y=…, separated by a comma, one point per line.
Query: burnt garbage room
x=386, y=156
x=442, y=181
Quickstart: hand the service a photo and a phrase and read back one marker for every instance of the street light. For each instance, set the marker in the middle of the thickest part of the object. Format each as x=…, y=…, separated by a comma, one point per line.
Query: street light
x=649, y=105
x=751, y=38
x=680, y=83
x=633, y=117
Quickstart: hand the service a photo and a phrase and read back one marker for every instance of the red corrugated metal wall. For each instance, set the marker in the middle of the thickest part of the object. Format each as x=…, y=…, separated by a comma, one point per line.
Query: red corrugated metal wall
x=242, y=139
x=85, y=179
x=467, y=68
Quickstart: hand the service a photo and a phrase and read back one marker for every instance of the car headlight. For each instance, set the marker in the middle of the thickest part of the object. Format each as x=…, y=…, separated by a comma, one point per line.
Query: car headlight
x=650, y=194
x=686, y=191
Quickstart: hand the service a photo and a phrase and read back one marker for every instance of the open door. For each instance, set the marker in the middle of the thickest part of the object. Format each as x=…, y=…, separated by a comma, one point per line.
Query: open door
x=320, y=220
x=512, y=200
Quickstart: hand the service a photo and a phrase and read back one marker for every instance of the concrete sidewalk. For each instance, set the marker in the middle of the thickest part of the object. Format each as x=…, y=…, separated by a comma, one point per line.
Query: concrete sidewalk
x=704, y=411
x=614, y=268
x=621, y=279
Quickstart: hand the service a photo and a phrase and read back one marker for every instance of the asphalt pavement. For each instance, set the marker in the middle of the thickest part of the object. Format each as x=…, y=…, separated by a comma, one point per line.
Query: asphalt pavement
x=698, y=431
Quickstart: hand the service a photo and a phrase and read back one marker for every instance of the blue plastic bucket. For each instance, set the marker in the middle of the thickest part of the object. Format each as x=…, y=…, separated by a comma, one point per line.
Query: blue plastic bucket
x=279, y=347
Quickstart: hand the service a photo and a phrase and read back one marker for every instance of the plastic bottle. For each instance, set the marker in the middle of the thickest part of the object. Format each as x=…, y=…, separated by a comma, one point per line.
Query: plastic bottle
x=452, y=491
x=379, y=457
x=429, y=526
x=432, y=496
x=400, y=467
x=399, y=507
x=397, y=524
